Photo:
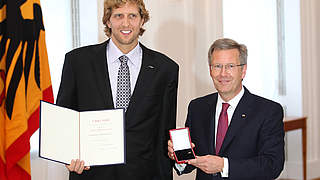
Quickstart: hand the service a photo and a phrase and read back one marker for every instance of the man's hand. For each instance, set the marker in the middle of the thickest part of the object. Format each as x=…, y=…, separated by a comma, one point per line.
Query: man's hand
x=170, y=149
x=77, y=166
x=209, y=164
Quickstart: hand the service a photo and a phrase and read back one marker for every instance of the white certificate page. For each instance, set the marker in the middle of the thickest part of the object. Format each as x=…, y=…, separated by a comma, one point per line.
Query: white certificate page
x=59, y=133
x=102, y=137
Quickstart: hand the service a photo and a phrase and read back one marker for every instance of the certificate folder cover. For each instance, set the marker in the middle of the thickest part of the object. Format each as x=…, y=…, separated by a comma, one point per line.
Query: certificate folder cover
x=97, y=137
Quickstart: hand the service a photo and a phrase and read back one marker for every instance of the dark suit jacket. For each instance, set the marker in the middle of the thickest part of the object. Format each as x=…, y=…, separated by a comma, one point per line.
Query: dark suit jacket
x=151, y=113
x=254, y=143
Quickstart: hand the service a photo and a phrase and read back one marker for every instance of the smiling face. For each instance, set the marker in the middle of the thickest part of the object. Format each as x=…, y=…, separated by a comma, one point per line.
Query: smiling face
x=228, y=82
x=125, y=23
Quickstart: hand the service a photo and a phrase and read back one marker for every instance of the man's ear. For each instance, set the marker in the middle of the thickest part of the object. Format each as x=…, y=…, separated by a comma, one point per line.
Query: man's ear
x=109, y=24
x=142, y=23
x=244, y=71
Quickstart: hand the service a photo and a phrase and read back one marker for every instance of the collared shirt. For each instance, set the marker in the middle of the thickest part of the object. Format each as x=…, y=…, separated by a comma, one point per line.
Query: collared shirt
x=233, y=104
x=134, y=63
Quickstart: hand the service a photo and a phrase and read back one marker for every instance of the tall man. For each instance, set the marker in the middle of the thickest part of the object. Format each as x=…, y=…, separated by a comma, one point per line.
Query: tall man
x=122, y=73
x=237, y=135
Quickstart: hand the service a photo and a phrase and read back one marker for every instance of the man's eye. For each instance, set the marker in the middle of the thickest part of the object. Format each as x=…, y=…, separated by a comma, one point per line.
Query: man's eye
x=133, y=15
x=118, y=15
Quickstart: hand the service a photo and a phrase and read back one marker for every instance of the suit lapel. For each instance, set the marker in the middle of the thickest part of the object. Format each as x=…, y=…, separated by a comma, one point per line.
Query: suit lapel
x=146, y=74
x=239, y=119
x=100, y=68
x=148, y=69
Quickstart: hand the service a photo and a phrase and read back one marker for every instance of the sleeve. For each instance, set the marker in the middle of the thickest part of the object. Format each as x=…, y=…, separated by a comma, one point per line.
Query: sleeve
x=168, y=121
x=225, y=170
x=67, y=95
x=179, y=168
x=269, y=162
x=67, y=91
x=188, y=168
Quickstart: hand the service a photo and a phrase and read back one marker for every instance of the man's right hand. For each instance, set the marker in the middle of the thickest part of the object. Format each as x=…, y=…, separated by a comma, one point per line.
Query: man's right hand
x=77, y=166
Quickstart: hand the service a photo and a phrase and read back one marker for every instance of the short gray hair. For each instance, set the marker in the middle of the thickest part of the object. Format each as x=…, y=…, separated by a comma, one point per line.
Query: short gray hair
x=225, y=44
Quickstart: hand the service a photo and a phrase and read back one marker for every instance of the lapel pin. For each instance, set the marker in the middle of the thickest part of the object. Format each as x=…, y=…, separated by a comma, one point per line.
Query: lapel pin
x=243, y=115
x=151, y=67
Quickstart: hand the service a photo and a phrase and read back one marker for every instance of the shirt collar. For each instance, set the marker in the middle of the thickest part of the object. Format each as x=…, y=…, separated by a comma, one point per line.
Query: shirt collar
x=234, y=101
x=114, y=53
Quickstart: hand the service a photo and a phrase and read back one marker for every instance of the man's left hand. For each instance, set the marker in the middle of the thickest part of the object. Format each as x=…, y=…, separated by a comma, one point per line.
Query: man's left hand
x=209, y=164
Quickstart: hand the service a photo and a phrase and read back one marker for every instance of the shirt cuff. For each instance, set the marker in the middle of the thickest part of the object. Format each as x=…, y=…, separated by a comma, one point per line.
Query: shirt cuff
x=225, y=170
x=180, y=167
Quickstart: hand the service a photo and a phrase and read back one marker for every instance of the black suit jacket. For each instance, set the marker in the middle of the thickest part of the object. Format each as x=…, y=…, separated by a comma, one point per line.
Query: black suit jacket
x=254, y=143
x=151, y=113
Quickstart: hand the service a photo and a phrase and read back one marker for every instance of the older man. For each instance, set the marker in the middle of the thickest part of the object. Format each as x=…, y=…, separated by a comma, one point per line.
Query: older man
x=237, y=135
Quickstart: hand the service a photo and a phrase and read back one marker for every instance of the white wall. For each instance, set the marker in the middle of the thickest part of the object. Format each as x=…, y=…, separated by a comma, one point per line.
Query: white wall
x=293, y=98
x=184, y=30
x=310, y=38
x=88, y=22
x=256, y=27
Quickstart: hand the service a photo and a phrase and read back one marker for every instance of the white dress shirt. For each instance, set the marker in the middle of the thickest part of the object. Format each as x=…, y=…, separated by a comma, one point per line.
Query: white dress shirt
x=233, y=104
x=134, y=63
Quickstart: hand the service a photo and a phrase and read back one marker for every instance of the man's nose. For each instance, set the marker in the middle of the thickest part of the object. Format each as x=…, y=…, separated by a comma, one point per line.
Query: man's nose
x=224, y=70
x=126, y=21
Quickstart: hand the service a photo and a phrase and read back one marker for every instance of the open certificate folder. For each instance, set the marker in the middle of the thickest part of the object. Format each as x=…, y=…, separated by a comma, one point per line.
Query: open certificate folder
x=97, y=137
